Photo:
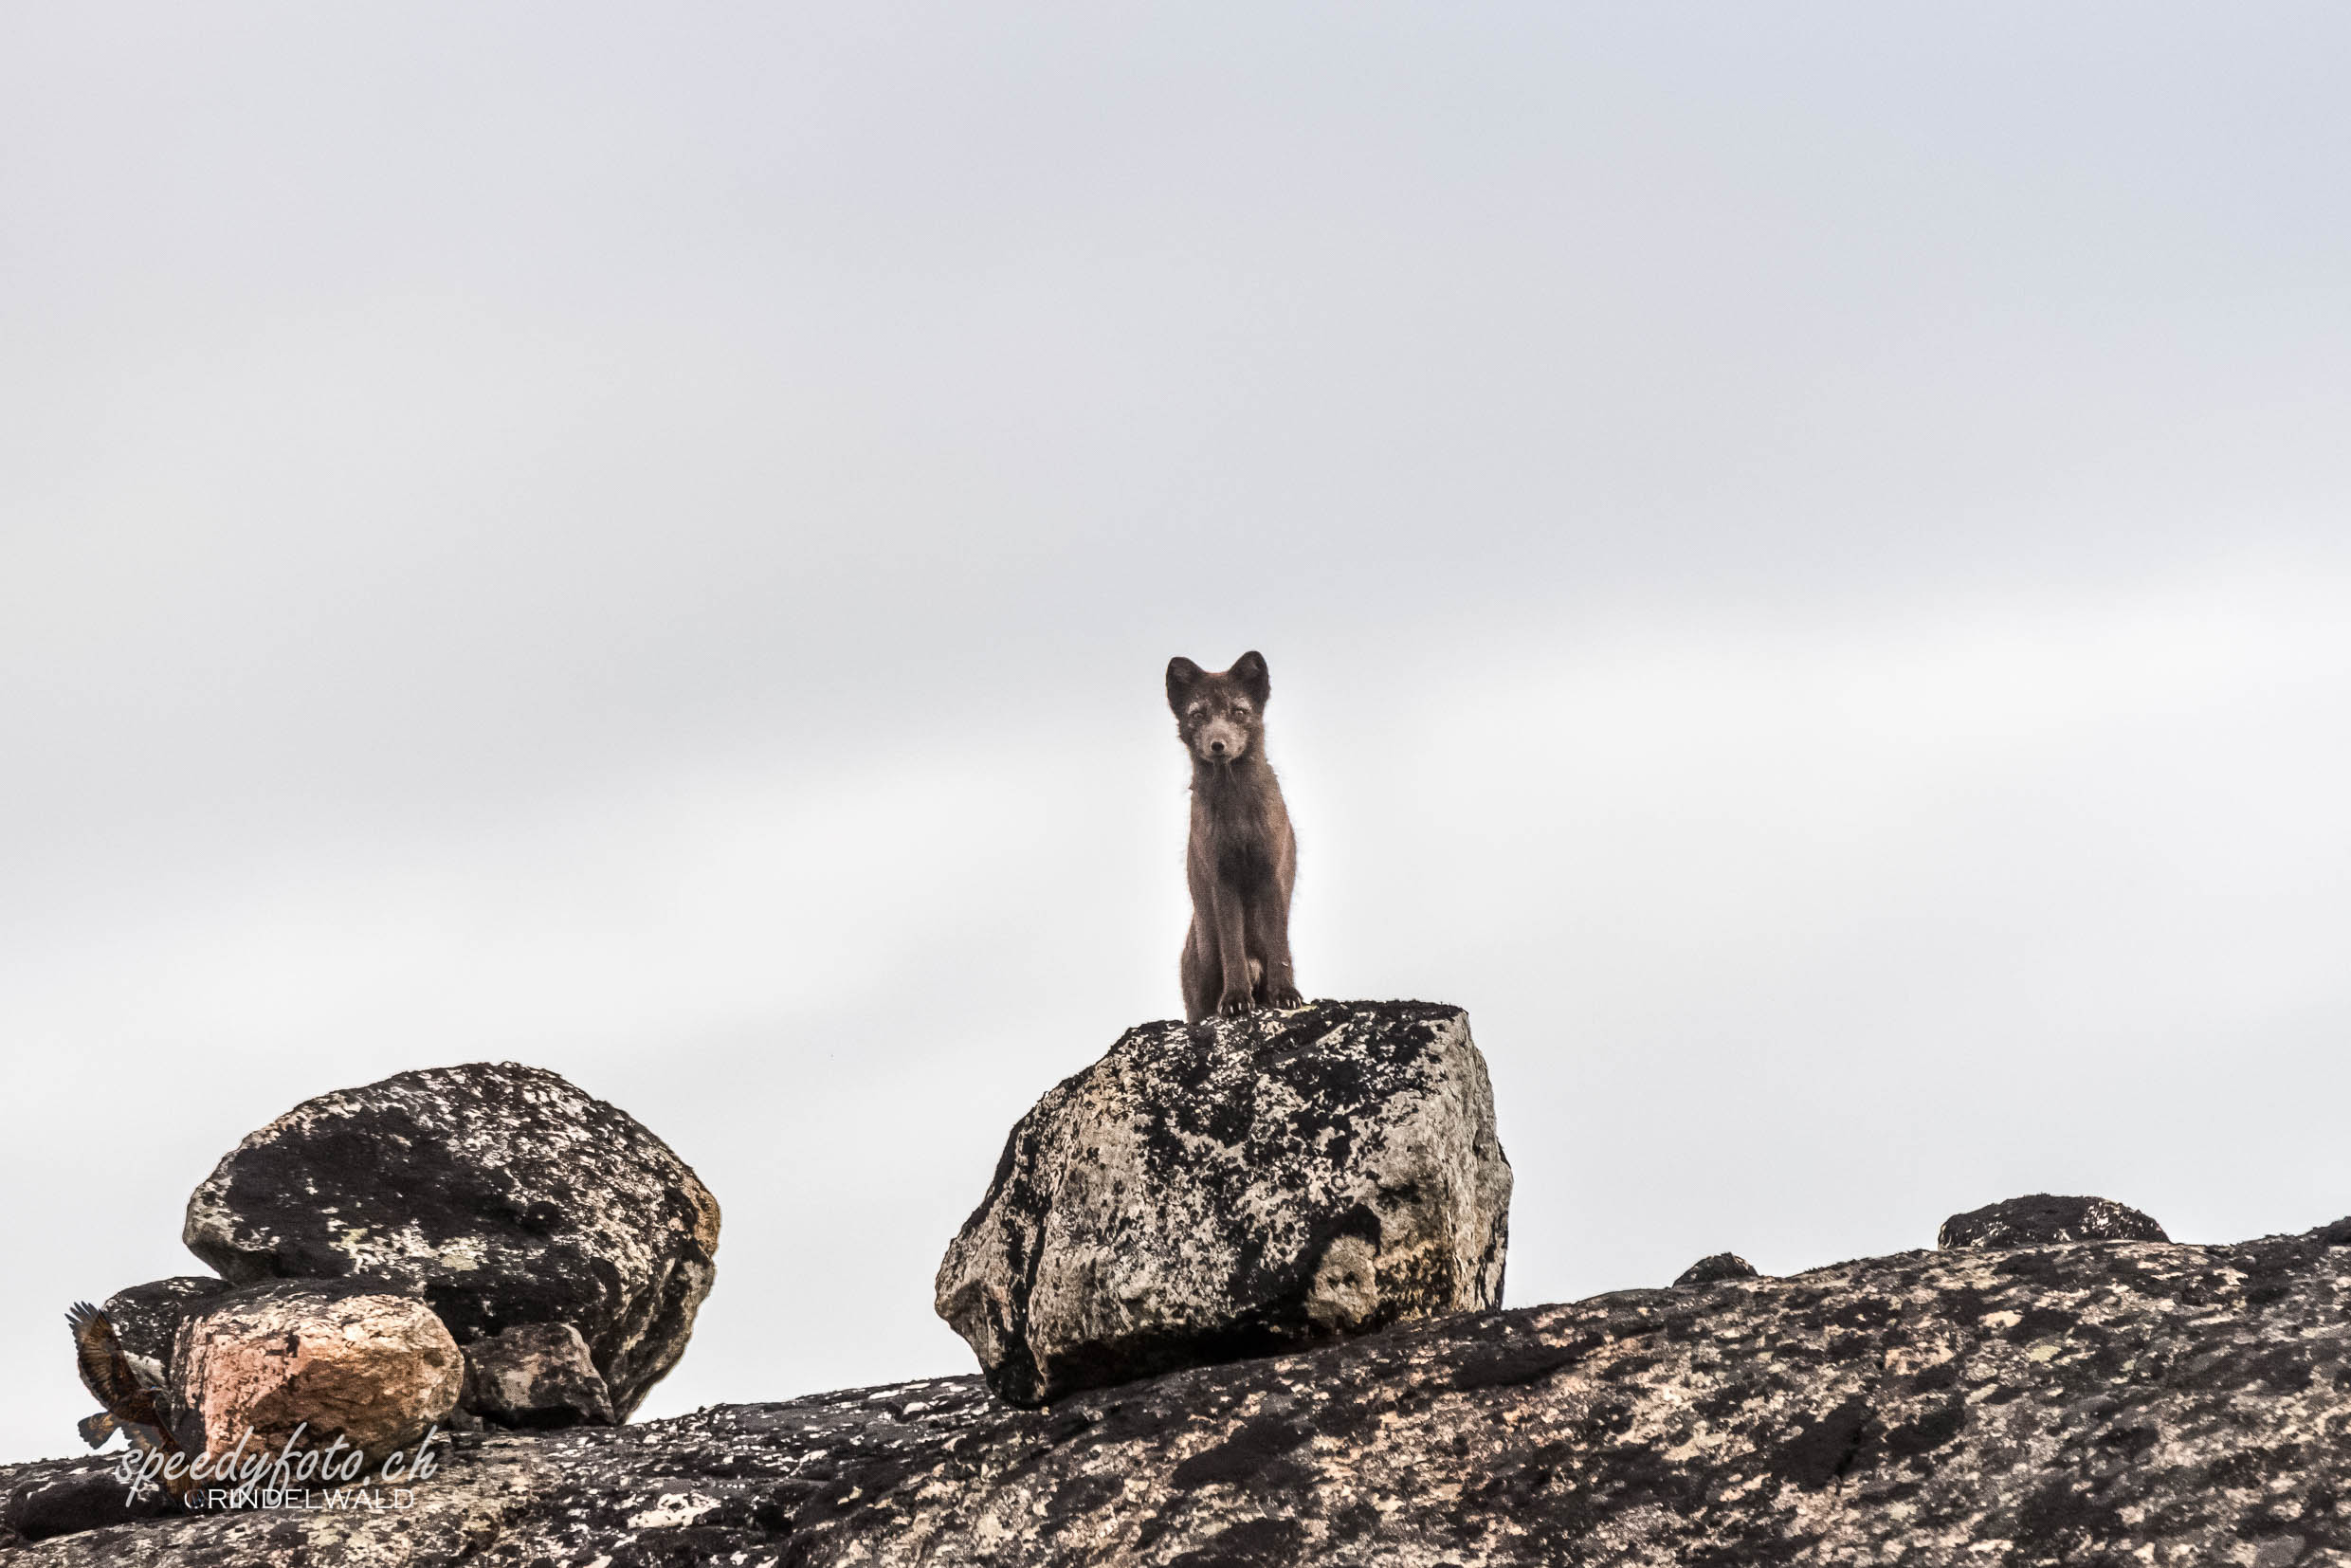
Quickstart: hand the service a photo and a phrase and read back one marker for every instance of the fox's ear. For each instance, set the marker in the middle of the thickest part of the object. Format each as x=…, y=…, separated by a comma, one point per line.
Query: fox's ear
x=1249, y=669
x=1182, y=674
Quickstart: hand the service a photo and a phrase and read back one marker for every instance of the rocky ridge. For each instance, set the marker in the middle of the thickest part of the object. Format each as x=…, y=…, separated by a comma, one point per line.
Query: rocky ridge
x=2141, y=1402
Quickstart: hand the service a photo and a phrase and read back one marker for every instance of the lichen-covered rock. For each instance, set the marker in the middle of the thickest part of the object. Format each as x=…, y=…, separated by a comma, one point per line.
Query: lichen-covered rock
x=2043, y=1218
x=501, y=1193
x=262, y=1363
x=1715, y=1268
x=2135, y=1403
x=1231, y=1188
x=537, y=1376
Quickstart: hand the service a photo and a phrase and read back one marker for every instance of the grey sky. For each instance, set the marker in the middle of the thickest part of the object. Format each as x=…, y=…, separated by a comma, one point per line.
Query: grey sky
x=1801, y=550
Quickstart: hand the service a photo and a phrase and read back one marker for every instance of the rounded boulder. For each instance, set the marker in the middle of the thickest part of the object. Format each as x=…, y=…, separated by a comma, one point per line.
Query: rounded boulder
x=262, y=1365
x=499, y=1194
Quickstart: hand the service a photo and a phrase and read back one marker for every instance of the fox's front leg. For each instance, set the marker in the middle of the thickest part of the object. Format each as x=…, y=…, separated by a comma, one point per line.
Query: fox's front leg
x=1277, y=985
x=1237, y=995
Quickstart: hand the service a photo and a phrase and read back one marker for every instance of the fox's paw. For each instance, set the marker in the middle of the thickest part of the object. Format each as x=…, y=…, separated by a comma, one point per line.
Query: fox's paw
x=1237, y=1007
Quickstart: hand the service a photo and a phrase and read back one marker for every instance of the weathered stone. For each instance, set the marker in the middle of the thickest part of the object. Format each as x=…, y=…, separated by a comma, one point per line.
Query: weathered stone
x=501, y=1193
x=2177, y=1406
x=146, y=1318
x=536, y=1377
x=2043, y=1218
x=1231, y=1188
x=376, y=1370
x=1716, y=1268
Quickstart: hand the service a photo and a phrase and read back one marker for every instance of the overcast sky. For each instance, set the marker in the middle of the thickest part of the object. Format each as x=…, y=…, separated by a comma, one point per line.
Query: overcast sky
x=1802, y=551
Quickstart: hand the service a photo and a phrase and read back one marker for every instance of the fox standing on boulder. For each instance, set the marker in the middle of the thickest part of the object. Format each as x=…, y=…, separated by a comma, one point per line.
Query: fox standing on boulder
x=1243, y=858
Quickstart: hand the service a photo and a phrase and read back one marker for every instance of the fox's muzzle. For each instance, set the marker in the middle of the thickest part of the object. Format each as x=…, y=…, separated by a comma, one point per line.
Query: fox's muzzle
x=1220, y=741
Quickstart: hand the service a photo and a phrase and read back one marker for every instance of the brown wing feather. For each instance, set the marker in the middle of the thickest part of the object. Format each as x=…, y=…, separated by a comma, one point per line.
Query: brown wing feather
x=97, y=1355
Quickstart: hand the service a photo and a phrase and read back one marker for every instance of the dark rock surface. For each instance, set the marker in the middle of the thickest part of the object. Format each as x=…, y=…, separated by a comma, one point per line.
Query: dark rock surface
x=2128, y=1402
x=146, y=1317
x=1233, y=1187
x=2043, y=1218
x=536, y=1377
x=500, y=1193
x=1714, y=1270
x=67, y=1497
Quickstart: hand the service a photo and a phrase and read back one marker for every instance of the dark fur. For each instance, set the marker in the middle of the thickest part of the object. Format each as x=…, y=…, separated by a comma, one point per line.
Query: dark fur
x=1243, y=858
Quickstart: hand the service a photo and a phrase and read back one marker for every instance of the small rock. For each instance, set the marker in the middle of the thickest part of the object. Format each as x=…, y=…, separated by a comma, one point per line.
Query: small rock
x=1722, y=1266
x=2043, y=1218
x=536, y=1377
x=1228, y=1188
x=378, y=1370
x=500, y=1193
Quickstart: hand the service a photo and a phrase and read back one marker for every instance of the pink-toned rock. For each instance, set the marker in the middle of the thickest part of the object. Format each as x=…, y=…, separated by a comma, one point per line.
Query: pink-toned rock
x=376, y=1370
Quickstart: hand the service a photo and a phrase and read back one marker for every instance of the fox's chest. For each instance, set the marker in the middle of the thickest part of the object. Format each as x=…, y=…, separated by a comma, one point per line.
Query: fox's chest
x=1245, y=860
x=1238, y=846
x=1237, y=824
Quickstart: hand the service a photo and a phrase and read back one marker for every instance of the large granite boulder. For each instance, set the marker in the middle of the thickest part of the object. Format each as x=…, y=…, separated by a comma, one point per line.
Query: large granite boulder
x=1232, y=1187
x=262, y=1364
x=2042, y=1219
x=2136, y=1403
x=500, y=1193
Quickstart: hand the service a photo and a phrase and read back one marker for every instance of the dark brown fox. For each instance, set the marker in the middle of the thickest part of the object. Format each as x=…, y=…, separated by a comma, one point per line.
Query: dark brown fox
x=1243, y=858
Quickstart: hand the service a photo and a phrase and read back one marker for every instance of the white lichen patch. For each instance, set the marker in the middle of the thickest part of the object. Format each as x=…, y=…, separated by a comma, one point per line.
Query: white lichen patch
x=673, y=1510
